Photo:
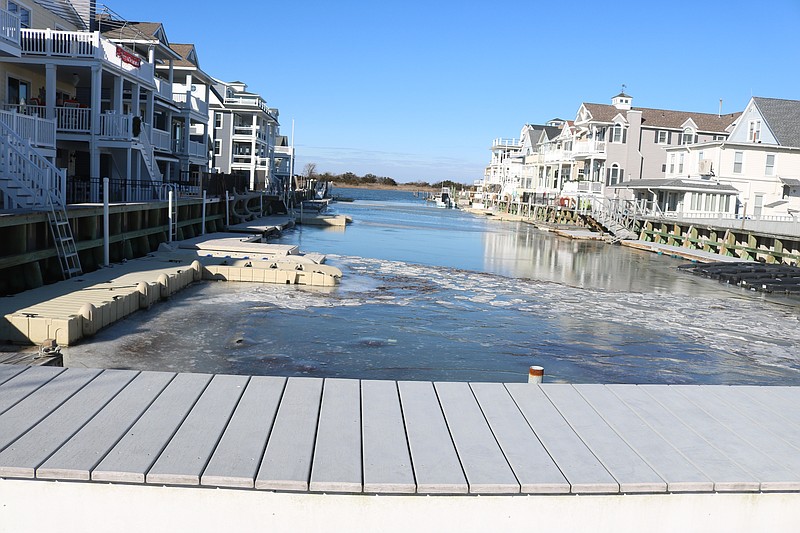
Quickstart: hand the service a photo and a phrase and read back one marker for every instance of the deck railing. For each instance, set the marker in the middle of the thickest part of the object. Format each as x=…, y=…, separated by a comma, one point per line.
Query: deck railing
x=9, y=27
x=162, y=140
x=116, y=126
x=588, y=147
x=39, y=131
x=248, y=101
x=164, y=89
x=191, y=104
x=74, y=119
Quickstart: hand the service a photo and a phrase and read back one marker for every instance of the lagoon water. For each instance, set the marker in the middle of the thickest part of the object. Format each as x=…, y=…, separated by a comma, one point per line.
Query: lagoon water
x=437, y=294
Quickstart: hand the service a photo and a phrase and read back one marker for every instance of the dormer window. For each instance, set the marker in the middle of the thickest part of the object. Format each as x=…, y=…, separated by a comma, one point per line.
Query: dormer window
x=754, y=132
x=688, y=136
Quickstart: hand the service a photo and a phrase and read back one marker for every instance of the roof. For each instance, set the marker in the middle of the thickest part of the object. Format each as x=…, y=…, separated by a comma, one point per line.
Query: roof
x=65, y=10
x=792, y=182
x=681, y=184
x=665, y=118
x=185, y=50
x=133, y=31
x=783, y=118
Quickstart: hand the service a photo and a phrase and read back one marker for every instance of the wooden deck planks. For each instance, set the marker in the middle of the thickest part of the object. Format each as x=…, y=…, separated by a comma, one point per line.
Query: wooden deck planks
x=631, y=471
x=9, y=371
x=287, y=460
x=76, y=458
x=585, y=473
x=387, y=462
x=238, y=455
x=745, y=445
x=433, y=455
x=29, y=451
x=337, y=453
x=672, y=466
x=23, y=384
x=135, y=453
x=726, y=474
x=188, y=452
x=37, y=405
x=482, y=459
x=533, y=467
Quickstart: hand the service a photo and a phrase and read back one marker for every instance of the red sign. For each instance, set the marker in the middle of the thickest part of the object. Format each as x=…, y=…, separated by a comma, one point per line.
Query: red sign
x=129, y=58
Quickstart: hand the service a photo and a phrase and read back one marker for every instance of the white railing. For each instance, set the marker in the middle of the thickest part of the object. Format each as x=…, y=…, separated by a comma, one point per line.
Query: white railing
x=244, y=130
x=587, y=147
x=505, y=142
x=39, y=131
x=80, y=44
x=248, y=101
x=116, y=126
x=39, y=182
x=191, y=104
x=197, y=149
x=9, y=27
x=74, y=119
x=59, y=43
x=164, y=89
x=161, y=139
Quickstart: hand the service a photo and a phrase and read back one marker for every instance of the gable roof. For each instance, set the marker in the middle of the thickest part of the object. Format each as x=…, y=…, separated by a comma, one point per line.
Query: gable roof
x=664, y=118
x=188, y=55
x=130, y=31
x=782, y=117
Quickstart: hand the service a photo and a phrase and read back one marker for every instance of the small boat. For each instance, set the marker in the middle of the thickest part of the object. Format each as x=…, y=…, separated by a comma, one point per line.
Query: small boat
x=443, y=199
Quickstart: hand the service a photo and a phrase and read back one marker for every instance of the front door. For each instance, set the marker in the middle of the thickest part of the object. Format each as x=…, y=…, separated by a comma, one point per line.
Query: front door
x=758, y=205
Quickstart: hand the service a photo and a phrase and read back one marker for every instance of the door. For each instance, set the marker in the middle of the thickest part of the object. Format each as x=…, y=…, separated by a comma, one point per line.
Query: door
x=758, y=204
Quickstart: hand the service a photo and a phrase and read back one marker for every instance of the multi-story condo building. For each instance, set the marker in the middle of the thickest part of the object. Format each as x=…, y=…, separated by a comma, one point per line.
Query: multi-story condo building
x=244, y=134
x=758, y=166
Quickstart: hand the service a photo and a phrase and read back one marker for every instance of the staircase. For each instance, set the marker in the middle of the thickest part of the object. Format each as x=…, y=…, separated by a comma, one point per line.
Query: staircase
x=149, y=155
x=615, y=218
x=29, y=181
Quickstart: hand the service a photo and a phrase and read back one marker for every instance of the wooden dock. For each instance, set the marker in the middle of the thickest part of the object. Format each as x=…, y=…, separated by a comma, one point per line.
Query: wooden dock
x=307, y=436
x=679, y=251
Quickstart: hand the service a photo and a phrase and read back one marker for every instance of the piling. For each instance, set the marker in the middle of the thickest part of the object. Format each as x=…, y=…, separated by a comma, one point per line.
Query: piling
x=535, y=374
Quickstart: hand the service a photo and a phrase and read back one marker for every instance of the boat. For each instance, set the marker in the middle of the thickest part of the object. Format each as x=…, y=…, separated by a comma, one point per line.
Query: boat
x=443, y=199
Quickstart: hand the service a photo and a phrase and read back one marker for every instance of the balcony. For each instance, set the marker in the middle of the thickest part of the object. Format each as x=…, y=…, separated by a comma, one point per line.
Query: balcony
x=161, y=140
x=40, y=132
x=505, y=142
x=247, y=101
x=9, y=34
x=84, y=45
x=164, y=89
x=195, y=149
x=192, y=104
x=589, y=148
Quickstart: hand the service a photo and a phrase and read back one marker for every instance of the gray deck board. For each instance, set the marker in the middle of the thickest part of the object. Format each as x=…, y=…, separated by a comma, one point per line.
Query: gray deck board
x=387, y=463
x=135, y=453
x=24, y=384
x=21, y=458
x=436, y=465
x=287, y=459
x=187, y=454
x=585, y=473
x=739, y=443
x=36, y=406
x=535, y=470
x=726, y=474
x=679, y=473
x=482, y=459
x=631, y=471
x=239, y=452
x=9, y=371
x=337, y=453
x=81, y=453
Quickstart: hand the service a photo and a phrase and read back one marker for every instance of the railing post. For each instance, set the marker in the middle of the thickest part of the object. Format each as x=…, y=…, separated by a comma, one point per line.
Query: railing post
x=203, y=216
x=106, y=247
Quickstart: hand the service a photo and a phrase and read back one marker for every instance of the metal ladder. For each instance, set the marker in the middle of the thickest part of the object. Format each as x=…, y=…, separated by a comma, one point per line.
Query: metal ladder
x=65, y=243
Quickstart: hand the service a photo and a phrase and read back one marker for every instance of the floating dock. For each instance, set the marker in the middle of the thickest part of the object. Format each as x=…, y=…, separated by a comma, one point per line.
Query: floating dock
x=69, y=310
x=315, y=451
x=679, y=251
x=770, y=278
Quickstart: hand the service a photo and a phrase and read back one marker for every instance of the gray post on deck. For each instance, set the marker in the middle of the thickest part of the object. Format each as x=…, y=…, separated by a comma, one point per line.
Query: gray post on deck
x=169, y=215
x=227, y=209
x=535, y=374
x=106, y=254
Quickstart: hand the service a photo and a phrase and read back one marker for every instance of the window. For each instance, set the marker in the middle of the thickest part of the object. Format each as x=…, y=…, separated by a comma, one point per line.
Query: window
x=688, y=136
x=618, y=134
x=695, y=201
x=22, y=12
x=770, y=169
x=662, y=137
x=613, y=175
x=671, y=163
x=680, y=163
x=754, y=132
x=217, y=147
x=738, y=157
x=217, y=120
x=18, y=91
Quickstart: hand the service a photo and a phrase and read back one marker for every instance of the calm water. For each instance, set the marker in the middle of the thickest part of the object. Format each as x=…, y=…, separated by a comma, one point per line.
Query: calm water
x=439, y=294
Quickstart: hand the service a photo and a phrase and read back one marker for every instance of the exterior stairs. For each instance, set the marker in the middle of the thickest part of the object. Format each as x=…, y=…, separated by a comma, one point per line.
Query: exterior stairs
x=29, y=181
x=149, y=156
x=610, y=218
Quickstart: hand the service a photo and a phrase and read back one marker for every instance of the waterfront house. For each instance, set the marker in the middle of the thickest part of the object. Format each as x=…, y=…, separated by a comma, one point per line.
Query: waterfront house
x=759, y=161
x=244, y=132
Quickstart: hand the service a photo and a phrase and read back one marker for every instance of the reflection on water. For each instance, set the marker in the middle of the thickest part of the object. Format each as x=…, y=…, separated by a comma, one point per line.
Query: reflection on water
x=439, y=294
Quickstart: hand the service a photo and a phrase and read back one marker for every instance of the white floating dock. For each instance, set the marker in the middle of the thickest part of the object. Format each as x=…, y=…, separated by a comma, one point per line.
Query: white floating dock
x=654, y=455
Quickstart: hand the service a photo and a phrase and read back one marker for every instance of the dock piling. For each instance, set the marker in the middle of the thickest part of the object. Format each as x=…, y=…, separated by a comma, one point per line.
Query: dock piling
x=535, y=374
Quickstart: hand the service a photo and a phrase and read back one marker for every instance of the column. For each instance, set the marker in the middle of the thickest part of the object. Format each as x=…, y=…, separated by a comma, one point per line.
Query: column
x=135, y=96
x=118, y=83
x=94, y=151
x=50, y=90
x=253, y=156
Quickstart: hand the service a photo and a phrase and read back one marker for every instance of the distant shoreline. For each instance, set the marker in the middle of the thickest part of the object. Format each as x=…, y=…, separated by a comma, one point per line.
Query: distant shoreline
x=381, y=187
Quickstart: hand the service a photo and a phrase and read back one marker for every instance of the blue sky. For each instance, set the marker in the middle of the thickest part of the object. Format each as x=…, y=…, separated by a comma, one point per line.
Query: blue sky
x=418, y=90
